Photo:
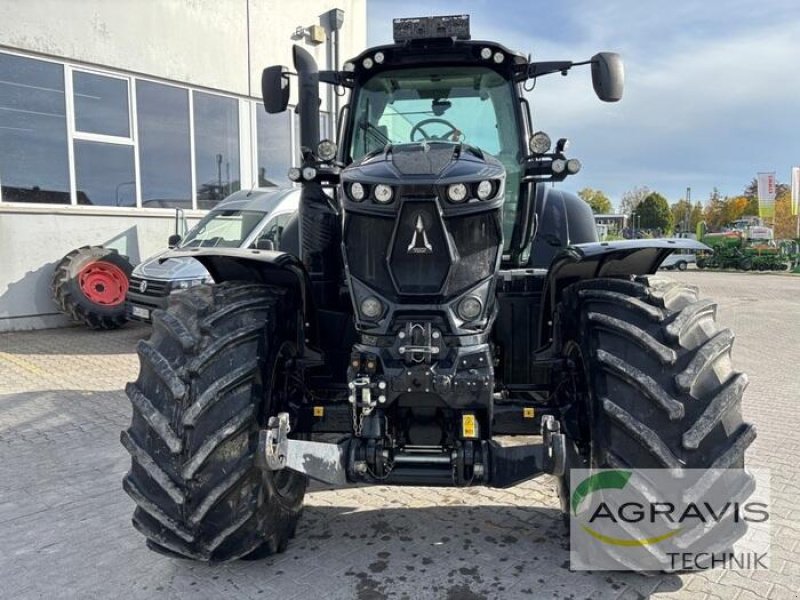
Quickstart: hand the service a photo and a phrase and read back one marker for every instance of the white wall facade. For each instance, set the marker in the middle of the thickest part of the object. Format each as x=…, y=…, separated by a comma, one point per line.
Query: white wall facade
x=199, y=48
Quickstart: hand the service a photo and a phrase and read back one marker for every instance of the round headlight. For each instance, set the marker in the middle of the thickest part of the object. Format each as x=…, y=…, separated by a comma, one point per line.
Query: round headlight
x=457, y=192
x=498, y=57
x=486, y=53
x=559, y=165
x=539, y=142
x=309, y=173
x=383, y=194
x=573, y=166
x=295, y=174
x=367, y=63
x=470, y=308
x=379, y=57
x=484, y=190
x=349, y=67
x=357, y=192
x=371, y=307
x=326, y=150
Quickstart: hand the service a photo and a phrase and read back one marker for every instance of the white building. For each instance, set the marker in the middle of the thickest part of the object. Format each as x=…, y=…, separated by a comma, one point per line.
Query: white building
x=113, y=113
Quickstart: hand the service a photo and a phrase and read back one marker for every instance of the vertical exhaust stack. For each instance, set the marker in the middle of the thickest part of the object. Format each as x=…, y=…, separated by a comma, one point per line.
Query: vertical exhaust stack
x=308, y=100
x=320, y=226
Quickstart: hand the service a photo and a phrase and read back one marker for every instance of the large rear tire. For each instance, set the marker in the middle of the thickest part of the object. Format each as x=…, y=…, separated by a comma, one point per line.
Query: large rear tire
x=89, y=286
x=656, y=388
x=211, y=375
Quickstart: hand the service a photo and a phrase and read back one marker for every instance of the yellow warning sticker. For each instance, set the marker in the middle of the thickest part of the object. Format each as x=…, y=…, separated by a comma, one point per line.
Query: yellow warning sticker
x=469, y=426
x=319, y=411
x=527, y=412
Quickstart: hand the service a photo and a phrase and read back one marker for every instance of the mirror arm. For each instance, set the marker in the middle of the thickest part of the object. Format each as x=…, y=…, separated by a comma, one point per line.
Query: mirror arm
x=538, y=69
x=340, y=78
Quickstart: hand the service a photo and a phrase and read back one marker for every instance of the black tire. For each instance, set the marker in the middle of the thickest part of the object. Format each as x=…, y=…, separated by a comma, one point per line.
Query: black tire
x=657, y=389
x=701, y=263
x=208, y=383
x=681, y=265
x=72, y=299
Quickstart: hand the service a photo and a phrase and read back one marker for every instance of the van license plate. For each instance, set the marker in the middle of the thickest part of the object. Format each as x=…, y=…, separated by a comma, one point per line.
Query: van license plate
x=142, y=313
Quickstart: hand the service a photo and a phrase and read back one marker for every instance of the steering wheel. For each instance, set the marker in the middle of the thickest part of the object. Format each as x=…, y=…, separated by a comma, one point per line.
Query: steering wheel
x=453, y=133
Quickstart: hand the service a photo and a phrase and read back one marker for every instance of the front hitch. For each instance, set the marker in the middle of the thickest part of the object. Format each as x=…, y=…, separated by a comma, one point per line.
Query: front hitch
x=347, y=462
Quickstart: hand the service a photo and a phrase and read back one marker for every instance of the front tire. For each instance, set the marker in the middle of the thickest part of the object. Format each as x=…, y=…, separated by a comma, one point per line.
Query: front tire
x=656, y=388
x=207, y=384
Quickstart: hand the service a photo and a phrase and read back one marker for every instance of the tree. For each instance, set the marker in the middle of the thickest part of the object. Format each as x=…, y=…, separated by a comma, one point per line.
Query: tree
x=654, y=213
x=632, y=198
x=696, y=216
x=681, y=215
x=785, y=224
x=599, y=202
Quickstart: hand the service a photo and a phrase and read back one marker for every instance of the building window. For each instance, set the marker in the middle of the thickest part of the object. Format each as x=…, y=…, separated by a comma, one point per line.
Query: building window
x=101, y=104
x=102, y=142
x=33, y=131
x=104, y=174
x=216, y=139
x=273, y=137
x=165, y=158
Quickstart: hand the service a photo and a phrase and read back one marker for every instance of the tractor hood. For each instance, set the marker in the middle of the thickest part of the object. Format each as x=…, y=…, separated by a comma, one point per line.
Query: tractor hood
x=430, y=162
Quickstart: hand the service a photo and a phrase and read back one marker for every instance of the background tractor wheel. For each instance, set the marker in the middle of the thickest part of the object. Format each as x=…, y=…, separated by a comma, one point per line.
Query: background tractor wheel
x=213, y=372
x=655, y=386
x=89, y=285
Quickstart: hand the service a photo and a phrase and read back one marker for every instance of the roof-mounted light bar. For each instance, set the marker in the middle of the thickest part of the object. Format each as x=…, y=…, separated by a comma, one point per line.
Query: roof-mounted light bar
x=420, y=28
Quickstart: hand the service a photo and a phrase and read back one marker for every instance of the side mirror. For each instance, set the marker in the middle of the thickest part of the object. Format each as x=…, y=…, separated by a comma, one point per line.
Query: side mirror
x=265, y=244
x=275, y=89
x=173, y=240
x=608, y=76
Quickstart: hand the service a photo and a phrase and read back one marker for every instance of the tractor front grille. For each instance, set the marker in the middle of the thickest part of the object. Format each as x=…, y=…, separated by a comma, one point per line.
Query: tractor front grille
x=420, y=257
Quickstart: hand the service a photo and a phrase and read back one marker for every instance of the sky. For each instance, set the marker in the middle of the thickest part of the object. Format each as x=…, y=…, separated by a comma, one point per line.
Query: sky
x=712, y=88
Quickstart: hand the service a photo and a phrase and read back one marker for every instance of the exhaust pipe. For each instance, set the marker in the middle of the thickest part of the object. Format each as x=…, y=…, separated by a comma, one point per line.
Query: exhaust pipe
x=308, y=99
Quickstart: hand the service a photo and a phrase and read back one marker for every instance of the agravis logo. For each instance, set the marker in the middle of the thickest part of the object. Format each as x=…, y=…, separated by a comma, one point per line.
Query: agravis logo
x=609, y=480
x=644, y=519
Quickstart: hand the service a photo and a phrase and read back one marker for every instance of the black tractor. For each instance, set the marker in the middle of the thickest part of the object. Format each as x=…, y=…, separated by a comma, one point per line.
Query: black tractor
x=434, y=294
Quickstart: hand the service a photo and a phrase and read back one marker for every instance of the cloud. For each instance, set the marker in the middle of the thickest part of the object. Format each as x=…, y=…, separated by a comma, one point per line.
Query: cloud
x=711, y=90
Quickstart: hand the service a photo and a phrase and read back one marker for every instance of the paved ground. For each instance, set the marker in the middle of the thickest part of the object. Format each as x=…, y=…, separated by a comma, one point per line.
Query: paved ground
x=64, y=520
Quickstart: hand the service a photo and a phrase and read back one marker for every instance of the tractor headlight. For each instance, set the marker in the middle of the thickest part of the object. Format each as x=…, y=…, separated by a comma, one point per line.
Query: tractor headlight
x=295, y=174
x=559, y=165
x=367, y=63
x=484, y=190
x=573, y=166
x=540, y=143
x=371, y=307
x=379, y=57
x=470, y=308
x=457, y=192
x=326, y=150
x=383, y=193
x=309, y=173
x=357, y=192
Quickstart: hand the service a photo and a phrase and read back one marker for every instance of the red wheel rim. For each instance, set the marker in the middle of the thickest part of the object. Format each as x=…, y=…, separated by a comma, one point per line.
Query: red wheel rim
x=103, y=283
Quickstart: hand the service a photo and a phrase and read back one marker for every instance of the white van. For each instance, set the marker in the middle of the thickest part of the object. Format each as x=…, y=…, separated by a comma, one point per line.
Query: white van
x=245, y=219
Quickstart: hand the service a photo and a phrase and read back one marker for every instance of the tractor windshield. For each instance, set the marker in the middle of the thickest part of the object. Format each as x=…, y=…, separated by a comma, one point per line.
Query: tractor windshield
x=473, y=105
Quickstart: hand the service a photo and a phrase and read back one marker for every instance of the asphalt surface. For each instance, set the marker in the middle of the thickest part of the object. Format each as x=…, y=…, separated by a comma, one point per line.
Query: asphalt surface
x=65, y=521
